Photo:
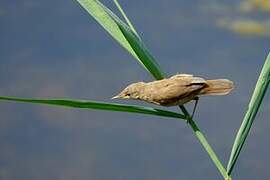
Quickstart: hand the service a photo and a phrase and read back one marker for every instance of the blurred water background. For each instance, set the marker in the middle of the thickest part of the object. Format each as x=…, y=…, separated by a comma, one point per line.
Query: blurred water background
x=52, y=49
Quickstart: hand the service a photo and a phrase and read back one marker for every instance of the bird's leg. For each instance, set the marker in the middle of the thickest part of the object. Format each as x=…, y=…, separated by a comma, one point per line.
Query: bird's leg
x=190, y=118
x=195, y=106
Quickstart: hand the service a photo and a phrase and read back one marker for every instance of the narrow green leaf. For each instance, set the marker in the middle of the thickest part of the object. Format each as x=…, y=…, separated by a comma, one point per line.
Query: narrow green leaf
x=253, y=107
x=142, y=52
x=116, y=27
x=205, y=144
x=125, y=17
x=97, y=105
x=209, y=149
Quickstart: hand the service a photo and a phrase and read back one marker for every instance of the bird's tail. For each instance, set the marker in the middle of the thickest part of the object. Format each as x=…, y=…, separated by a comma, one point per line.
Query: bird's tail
x=217, y=87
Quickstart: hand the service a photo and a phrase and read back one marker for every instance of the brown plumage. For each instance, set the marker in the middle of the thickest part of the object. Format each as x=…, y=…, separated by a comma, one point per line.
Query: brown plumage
x=176, y=90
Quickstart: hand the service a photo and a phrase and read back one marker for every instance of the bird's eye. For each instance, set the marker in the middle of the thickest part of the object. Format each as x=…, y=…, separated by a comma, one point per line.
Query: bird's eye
x=128, y=94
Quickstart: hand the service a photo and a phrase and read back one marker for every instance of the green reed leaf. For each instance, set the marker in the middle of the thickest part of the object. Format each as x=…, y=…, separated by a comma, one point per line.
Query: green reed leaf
x=123, y=34
x=253, y=107
x=74, y=103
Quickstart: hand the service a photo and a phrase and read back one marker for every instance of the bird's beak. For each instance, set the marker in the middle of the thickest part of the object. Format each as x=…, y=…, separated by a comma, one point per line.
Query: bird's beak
x=115, y=97
x=121, y=95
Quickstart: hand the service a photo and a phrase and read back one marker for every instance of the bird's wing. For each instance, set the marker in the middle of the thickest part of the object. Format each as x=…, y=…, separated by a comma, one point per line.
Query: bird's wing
x=174, y=88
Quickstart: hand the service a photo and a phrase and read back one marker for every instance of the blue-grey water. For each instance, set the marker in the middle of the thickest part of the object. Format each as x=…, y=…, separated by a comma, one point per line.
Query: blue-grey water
x=54, y=49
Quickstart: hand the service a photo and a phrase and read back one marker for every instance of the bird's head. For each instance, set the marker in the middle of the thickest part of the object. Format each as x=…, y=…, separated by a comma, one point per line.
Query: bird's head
x=132, y=91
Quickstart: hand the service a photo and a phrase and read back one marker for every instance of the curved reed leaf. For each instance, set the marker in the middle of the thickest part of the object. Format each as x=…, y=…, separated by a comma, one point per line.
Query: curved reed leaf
x=116, y=27
x=119, y=7
x=74, y=103
x=253, y=107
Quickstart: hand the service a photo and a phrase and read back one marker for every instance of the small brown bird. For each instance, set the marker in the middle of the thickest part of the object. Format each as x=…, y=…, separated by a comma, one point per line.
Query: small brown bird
x=176, y=90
